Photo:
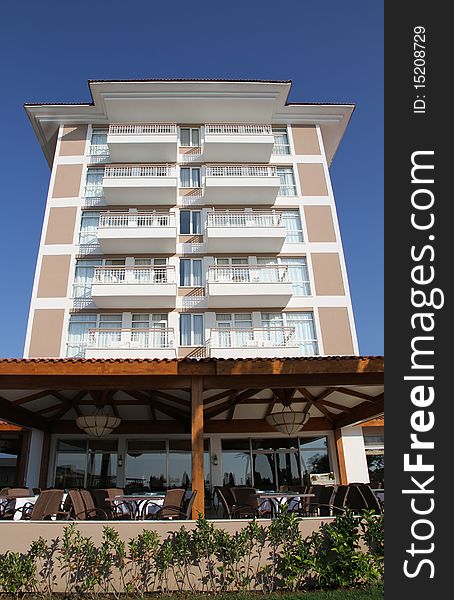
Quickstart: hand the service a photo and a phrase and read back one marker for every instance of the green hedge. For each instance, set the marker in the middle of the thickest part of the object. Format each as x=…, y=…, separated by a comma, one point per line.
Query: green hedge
x=204, y=559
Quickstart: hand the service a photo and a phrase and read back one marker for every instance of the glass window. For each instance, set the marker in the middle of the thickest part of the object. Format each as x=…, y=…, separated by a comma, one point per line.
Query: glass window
x=298, y=274
x=83, y=277
x=179, y=463
x=281, y=142
x=191, y=272
x=10, y=449
x=146, y=466
x=110, y=330
x=79, y=325
x=190, y=222
x=102, y=464
x=292, y=221
x=287, y=179
x=93, y=188
x=71, y=464
x=89, y=222
x=236, y=462
x=375, y=456
x=189, y=136
x=305, y=334
x=191, y=329
x=314, y=456
x=98, y=145
x=190, y=177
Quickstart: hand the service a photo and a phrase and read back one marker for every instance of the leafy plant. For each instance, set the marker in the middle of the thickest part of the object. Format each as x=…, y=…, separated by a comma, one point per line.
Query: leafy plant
x=17, y=573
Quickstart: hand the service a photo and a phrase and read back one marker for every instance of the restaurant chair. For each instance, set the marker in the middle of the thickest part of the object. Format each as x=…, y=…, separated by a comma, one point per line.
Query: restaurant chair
x=15, y=492
x=47, y=506
x=371, y=502
x=219, y=492
x=77, y=508
x=336, y=504
x=106, y=500
x=170, y=509
x=247, y=504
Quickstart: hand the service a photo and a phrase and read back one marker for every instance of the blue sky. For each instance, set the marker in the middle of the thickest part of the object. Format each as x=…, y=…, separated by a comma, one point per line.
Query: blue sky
x=333, y=52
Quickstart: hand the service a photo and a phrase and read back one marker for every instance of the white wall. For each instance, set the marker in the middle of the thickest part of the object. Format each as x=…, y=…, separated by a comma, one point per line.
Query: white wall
x=355, y=455
x=34, y=458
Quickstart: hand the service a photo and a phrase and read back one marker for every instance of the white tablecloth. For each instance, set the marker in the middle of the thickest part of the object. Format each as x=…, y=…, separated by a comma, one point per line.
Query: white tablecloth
x=16, y=503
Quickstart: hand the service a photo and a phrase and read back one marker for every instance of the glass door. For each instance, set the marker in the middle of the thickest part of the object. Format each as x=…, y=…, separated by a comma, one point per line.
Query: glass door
x=102, y=464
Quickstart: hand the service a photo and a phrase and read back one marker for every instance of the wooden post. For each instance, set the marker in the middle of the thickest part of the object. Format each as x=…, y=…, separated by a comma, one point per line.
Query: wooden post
x=198, y=482
x=341, y=457
x=21, y=465
x=44, y=461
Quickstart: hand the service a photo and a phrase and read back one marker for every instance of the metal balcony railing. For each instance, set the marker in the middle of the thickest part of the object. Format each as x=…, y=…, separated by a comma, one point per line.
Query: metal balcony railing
x=142, y=219
x=241, y=171
x=99, y=153
x=244, y=219
x=140, y=171
x=249, y=274
x=240, y=129
x=134, y=275
x=143, y=128
x=253, y=337
x=154, y=338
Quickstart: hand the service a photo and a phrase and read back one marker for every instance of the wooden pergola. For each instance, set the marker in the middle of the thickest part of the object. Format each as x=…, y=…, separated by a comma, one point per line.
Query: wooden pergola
x=191, y=396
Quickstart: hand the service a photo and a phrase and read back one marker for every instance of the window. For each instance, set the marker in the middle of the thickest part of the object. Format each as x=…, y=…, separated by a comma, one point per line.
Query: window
x=375, y=455
x=78, y=334
x=149, y=331
x=235, y=330
x=93, y=188
x=190, y=222
x=109, y=335
x=292, y=221
x=98, y=144
x=83, y=277
x=146, y=466
x=89, y=223
x=281, y=142
x=190, y=177
x=191, y=329
x=314, y=457
x=10, y=452
x=236, y=462
x=71, y=464
x=191, y=272
x=305, y=335
x=287, y=181
x=102, y=464
x=189, y=136
x=273, y=324
x=298, y=272
x=157, y=274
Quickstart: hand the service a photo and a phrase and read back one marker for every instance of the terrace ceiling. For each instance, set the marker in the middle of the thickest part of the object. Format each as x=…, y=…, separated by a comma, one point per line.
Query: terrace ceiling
x=155, y=396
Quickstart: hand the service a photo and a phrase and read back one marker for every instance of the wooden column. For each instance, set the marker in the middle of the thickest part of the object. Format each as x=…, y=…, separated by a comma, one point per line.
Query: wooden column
x=198, y=481
x=341, y=457
x=22, y=461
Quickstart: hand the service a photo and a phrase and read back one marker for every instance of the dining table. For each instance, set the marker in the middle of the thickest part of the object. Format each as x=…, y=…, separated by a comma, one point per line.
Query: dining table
x=277, y=500
x=14, y=503
x=134, y=504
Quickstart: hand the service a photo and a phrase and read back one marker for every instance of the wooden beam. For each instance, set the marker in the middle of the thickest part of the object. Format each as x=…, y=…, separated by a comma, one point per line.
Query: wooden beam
x=31, y=397
x=235, y=399
x=141, y=427
x=23, y=458
x=355, y=393
x=310, y=398
x=170, y=411
x=341, y=457
x=248, y=426
x=21, y=416
x=334, y=405
x=362, y=412
x=216, y=397
x=171, y=397
x=198, y=480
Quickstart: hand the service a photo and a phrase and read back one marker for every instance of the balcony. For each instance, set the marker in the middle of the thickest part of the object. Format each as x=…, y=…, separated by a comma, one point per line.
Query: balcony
x=137, y=232
x=256, y=342
x=140, y=184
x=241, y=184
x=266, y=286
x=251, y=231
x=134, y=287
x=231, y=142
x=99, y=154
x=131, y=343
x=143, y=142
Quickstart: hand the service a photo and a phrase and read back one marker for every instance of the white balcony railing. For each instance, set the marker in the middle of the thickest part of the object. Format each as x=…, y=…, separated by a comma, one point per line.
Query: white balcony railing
x=240, y=129
x=140, y=171
x=253, y=337
x=155, y=338
x=143, y=219
x=244, y=219
x=135, y=275
x=249, y=274
x=143, y=128
x=241, y=171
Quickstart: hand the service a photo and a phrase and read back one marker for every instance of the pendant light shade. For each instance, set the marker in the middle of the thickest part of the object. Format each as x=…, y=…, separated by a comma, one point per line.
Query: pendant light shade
x=98, y=425
x=287, y=420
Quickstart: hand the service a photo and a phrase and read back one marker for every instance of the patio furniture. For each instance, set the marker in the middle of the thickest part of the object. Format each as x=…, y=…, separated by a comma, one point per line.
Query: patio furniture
x=15, y=492
x=227, y=509
x=46, y=507
x=170, y=509
x=247, y=504
x=371, y=501
x=77, y=508
x=336, y=504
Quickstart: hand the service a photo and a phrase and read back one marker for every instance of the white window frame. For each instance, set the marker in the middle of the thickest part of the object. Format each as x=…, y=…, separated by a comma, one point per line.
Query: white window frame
x=192, y=284
x=192, y=344
x=191, y=178
x=191, y=142
x=191, y=222
x=282, y=129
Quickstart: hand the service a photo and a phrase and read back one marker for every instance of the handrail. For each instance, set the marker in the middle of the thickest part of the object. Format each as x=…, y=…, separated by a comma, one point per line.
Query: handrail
x=145, y=274
x=142, y=128
x=241, y=171
x=136, y=219
x=232, y=218
x=246, y=337
x=139, y=171
x=152, y=337
x=237, y=128
x=248, y=274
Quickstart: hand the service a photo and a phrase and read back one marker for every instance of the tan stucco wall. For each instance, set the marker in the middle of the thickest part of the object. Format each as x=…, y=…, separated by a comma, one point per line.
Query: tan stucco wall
x=327, y=274
x=73, y=140
x=305, y=139
x=53, y=276
x=61, y=224
x=46, y=333
x=319, y=224
x=335, y=330
x=312, y=179
x=67, y=181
